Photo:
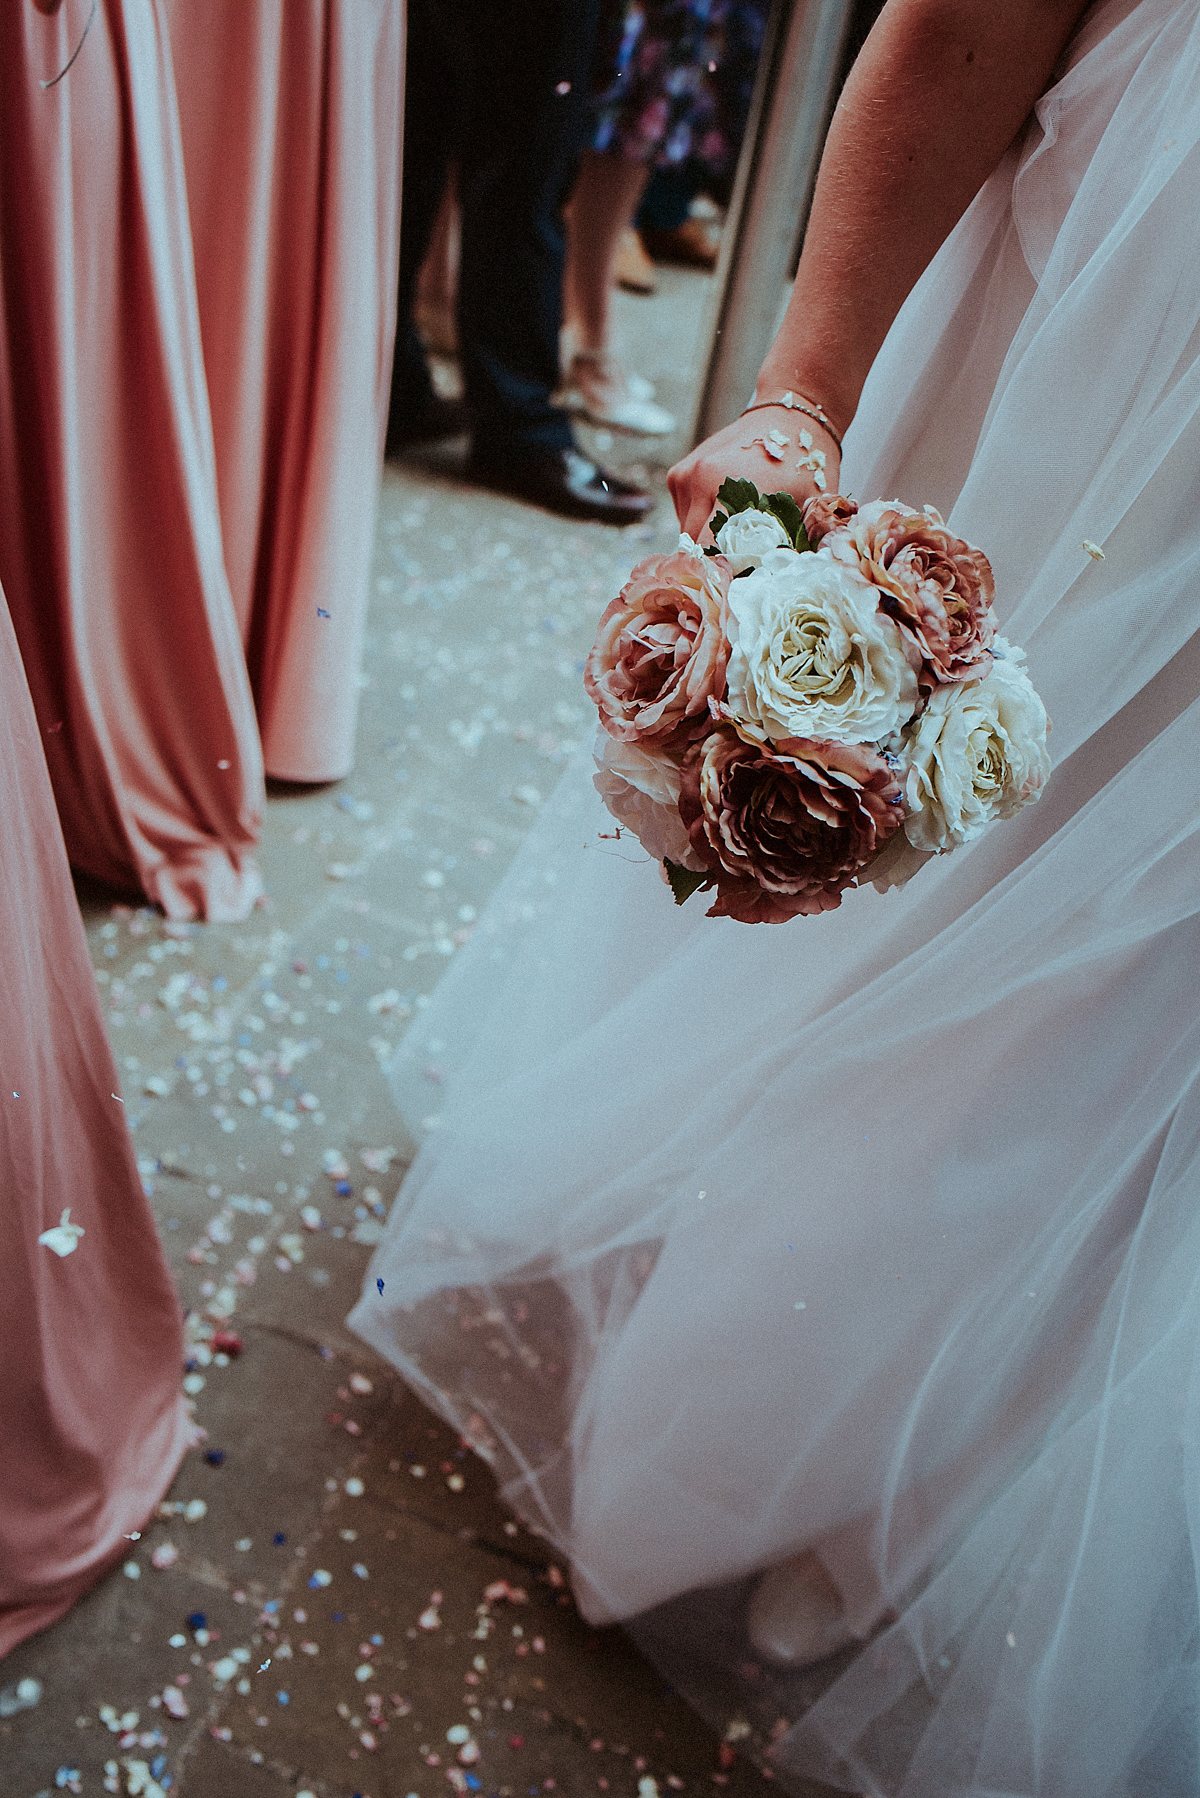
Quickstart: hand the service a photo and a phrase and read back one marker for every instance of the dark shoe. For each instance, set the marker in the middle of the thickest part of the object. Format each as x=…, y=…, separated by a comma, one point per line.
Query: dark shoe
x=562, y=481
x=430, y=421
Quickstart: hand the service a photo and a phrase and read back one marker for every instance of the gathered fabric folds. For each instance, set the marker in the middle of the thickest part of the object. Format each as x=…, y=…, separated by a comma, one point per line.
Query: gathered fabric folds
x=92, y=1425
x=110, y=539
x=876, y=1234
x=290, y=114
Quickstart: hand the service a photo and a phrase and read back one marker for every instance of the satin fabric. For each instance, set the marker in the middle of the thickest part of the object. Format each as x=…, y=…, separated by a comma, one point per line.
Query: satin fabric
x=92, y=1425
x=110, y=540
x=876, y=1234
x=290, y=113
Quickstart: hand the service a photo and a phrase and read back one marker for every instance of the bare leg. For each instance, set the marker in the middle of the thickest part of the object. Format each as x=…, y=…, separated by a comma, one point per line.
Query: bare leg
x=437, y=282
x=604, y=201
x=602, y=205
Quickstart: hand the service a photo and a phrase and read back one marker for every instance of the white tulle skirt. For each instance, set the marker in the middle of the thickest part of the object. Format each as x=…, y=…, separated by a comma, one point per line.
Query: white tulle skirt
x=879, y=1233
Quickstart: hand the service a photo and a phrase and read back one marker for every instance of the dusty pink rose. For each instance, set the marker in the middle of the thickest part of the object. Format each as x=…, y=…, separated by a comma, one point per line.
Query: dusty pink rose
x=937, y=588
x=784, y=828
x=641, y=790
x=826, y=512
x=661, y=649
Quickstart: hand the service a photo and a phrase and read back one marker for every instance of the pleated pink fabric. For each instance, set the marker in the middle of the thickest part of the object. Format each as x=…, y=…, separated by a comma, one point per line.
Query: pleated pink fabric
x=291, y=134
x=91, y=1420
x=110, y=544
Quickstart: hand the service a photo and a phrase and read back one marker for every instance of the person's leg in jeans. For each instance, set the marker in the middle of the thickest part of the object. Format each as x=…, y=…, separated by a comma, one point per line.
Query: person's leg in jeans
x=529, y=65
x=529, y=75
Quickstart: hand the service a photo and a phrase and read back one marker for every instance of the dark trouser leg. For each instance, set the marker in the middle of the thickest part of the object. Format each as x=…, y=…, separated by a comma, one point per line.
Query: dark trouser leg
x=522, y=144
x=433, y=92
x=669, y=195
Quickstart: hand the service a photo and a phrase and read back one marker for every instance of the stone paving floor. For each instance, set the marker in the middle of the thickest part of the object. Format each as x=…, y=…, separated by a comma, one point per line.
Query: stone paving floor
x=333, y=1601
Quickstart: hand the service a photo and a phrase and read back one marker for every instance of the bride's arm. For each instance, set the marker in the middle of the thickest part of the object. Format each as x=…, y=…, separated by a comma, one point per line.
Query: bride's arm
x=937, y=95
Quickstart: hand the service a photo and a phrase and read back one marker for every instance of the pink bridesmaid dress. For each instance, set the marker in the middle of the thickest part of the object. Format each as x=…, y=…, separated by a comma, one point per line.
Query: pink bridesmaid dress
x=92, y=1426
x=291, y=133
x=110, y=541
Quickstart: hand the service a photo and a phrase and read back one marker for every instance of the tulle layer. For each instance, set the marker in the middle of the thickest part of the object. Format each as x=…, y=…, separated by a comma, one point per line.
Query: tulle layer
x=874, y=1234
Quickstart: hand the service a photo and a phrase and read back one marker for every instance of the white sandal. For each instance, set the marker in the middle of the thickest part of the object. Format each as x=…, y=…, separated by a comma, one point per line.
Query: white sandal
x=598, y=387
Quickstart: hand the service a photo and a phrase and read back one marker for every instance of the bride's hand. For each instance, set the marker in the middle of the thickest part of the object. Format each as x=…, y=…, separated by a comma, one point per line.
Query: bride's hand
x=932, y=104
x=693, y=482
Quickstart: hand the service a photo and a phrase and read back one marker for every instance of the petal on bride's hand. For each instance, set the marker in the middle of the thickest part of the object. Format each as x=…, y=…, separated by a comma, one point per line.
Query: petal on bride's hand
x=734, y=451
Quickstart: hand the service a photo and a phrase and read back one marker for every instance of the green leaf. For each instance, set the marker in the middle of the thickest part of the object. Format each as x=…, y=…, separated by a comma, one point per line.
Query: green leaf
x=717, y=520
x=738, y=496
x=683, y=881
x=785, y=509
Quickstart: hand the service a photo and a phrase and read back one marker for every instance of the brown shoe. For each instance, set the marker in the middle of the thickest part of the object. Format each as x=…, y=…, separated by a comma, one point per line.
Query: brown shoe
x=632, y=268
x=694, y=244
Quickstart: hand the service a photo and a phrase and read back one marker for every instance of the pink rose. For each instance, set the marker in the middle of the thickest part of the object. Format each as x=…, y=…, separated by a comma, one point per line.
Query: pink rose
x=642, y=792
x=785, y=828
x=826, y=512
x=937, y=588
x=661, y=649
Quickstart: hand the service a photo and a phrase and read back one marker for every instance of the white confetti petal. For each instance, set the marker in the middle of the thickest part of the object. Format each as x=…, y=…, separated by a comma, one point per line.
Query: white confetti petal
x=63, y=1239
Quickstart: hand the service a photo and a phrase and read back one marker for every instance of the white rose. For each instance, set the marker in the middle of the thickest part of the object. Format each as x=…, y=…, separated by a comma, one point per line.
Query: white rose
x=977, y=752
x=642, y=793
x=813, y=656
x=746, y=537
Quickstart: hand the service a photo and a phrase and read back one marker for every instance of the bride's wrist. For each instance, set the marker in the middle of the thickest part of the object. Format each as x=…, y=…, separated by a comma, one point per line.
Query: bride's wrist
x=827, y=388
x=801, y=405
x=789, y=425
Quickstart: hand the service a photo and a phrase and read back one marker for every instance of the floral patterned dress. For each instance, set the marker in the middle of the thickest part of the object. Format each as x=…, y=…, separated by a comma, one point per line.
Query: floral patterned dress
x=673, y=78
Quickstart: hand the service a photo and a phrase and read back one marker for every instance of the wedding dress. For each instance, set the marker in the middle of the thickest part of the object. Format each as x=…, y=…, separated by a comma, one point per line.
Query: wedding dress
x=877, y=1234
x=92, y=1425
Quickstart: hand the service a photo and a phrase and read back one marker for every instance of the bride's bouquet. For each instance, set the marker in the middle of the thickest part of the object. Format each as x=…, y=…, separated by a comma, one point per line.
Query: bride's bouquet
x=819, y=701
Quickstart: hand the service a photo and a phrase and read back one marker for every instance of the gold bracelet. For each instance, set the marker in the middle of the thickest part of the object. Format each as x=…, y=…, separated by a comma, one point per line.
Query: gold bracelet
x=789, y=401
